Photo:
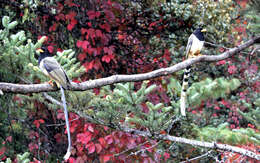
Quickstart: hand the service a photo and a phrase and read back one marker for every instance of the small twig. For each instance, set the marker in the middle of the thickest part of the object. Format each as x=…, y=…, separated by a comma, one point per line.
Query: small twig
x=172, y=122
x=255, y=49
x=61, y=124
x=143, y=150
x=198, y=157
x=118, y=154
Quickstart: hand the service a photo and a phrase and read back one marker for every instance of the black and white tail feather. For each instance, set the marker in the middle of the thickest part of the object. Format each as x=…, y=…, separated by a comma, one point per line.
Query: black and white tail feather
x=194, y=46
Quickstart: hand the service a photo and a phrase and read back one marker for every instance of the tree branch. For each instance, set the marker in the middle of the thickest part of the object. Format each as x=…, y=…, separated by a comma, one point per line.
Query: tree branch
x=35, y=88
x=212, y=145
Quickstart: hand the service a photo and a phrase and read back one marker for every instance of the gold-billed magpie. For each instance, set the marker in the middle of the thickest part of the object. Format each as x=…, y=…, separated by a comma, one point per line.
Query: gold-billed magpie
x=51, y=68
x=193, y=48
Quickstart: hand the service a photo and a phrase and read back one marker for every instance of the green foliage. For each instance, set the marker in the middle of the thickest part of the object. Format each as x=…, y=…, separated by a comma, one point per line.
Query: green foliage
x=224, y=135
x=253, y=14
x=121, y=101
x=204, y=90
x=158, y=118
x=16, y=53
x=209, y=88
x=253, y=116
x=125, y=103
x=24, y=158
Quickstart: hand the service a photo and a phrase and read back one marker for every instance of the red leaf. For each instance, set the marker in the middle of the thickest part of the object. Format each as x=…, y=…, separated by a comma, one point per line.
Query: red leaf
x=106, y=128
x=59, y=50
x=225, y=103
x=91, y=148
x=85, y=45
x=71, y=160
x=98, y=148
x=84, y=138
x=91, y=14
x=97, y=64
x=70, y=26
x=70, y=3
x=79, y=43
x=103, y=142
x=99, y=33
x=76, y=81
x=89, y=24
x=83, y=31
x=107, y=157
x=222, y=62
x=82, y=56
x=107, y=58
x=41, y=120
x=97, y=14
x=109, y=139
x=37, y=123
x=73, y=21
x=32, y=146
x=90, y=33
x=60, y=114
x=53, y=27
x=60, y=17
x=167, y=55
x=50, y=48
x=232, y=69
x=105, y=27
x=88, y=65
x=109, y=50
x=166, y=156
x=109, y=15
x=80, y=147
x=2, y=150
x=71, y=15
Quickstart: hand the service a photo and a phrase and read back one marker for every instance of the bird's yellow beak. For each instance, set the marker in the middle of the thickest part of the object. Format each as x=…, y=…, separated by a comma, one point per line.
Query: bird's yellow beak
x=39, y=50
x=204, y=30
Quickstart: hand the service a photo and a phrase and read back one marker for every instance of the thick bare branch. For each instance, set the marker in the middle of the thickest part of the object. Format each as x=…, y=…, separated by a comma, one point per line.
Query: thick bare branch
x=34, y=88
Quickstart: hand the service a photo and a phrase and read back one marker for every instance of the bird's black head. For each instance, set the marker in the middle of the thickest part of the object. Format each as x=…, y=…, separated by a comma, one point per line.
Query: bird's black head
x=199, y=33
x=44, y=52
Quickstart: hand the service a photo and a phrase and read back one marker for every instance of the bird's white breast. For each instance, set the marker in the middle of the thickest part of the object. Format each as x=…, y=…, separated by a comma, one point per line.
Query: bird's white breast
x=196, y=46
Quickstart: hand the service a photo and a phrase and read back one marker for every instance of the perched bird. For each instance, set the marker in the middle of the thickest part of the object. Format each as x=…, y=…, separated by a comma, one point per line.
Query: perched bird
x=193, y=48
x=51, y=68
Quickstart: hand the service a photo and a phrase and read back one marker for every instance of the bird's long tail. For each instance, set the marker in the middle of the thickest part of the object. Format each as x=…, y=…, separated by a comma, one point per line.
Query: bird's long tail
x=67, y=155
x=185, y=85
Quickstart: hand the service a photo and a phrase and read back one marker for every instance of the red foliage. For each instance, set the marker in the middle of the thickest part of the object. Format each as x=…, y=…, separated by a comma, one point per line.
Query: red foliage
x=37, y=123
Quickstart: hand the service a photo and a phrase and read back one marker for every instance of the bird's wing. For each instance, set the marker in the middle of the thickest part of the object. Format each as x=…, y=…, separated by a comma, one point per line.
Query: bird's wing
x=56, y=72
x=50, y=64
x=189, y=44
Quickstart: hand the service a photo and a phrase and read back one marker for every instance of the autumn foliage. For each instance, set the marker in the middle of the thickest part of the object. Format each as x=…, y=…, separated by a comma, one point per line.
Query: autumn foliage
x=126, y=37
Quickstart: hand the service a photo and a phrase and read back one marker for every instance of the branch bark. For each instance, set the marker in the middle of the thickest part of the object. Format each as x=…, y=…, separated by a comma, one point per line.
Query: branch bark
x=35, y=88
x=212, y=145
